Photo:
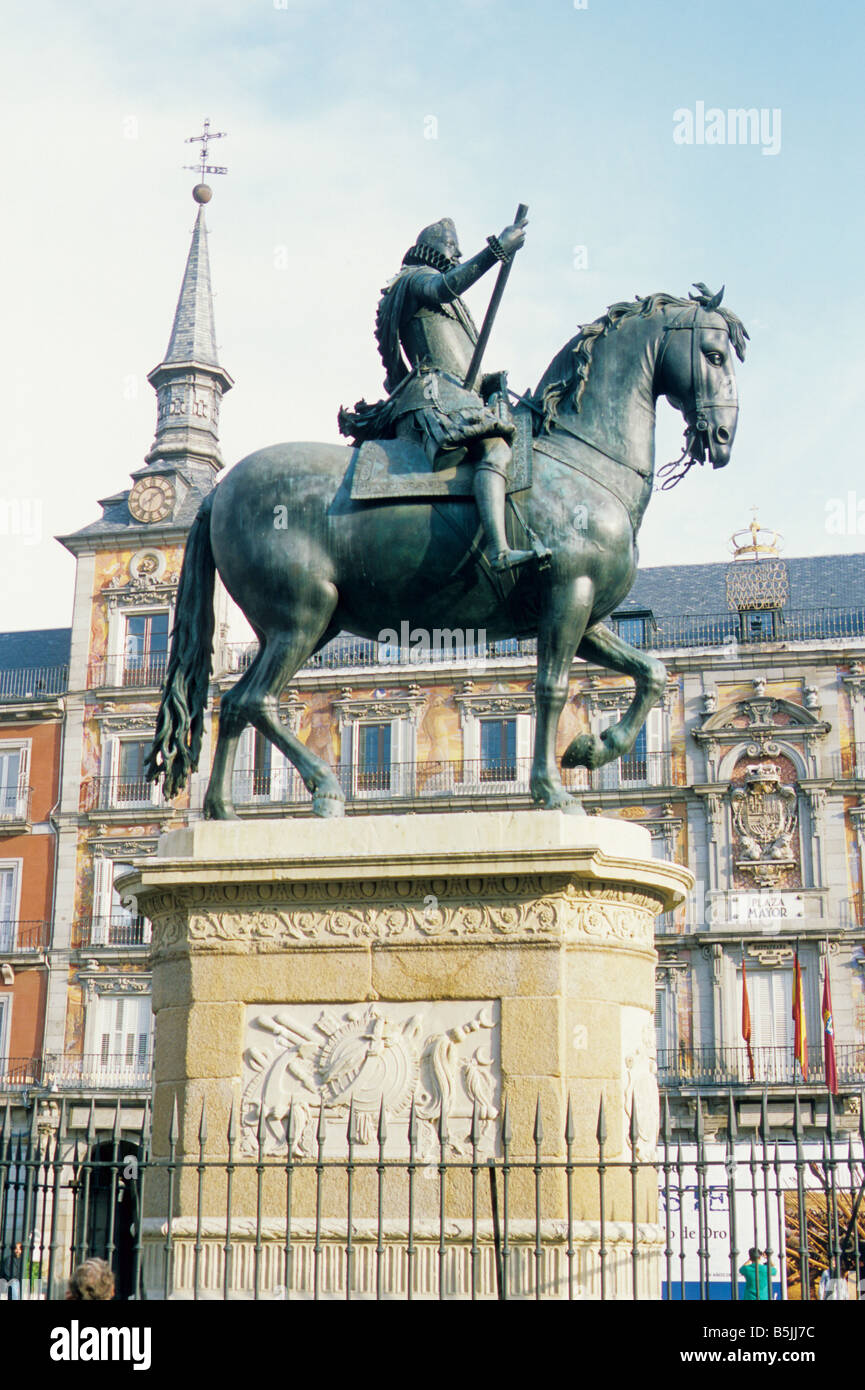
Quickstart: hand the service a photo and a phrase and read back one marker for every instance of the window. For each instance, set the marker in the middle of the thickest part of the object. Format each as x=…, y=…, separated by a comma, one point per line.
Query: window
x=115, y=922
x=373, y=758
x=130, y=786
x=634, y=628
x=8, y=906
x=770, y=995
x=644, y=765
x=121, y=1037
x=13, y=775
x=145, y=649
x=758, y=624
x=498, y=761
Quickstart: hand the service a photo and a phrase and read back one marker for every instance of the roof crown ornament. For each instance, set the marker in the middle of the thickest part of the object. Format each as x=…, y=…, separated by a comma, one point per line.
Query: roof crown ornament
x=763, y=583
x=760, y=541
x=202, y=192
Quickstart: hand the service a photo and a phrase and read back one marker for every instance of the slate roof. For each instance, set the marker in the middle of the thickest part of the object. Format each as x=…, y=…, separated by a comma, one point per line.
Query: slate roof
x=47, y=646
x=816, y=581
x=193, y=336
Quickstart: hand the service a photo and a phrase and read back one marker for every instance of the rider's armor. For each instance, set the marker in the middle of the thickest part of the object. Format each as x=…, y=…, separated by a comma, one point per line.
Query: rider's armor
x=426, y=337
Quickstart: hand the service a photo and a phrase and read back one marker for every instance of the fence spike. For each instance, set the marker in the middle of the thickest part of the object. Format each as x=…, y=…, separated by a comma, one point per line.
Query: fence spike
x=350, y=1123
x=321, y=1128
x=382, y=1123
x=601, y=1131
x=34, y=1116
x=412, y=1125
x=291, y=1128
x=443, y=1125
x=202, y=1124
x=118, y=1126
x=259, y=1130
x=232, y=1122
x=570, y=1128
x=91, y=1124
x=699, y=1122
x=797, y=1118
x=764, y=1115
x=174, y=1125
x=666, y=1134
x=507, y=1127
x=538, y=1131
x=633, y=1127
x=5, y=1128
x=475, y=1130
x=732, y=1126
x=830, y=1118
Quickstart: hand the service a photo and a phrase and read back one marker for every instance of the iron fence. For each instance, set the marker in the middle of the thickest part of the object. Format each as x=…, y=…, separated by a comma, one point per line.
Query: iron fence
x=342, y=1212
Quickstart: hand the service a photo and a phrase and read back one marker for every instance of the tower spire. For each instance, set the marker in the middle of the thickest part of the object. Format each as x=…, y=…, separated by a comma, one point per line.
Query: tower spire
x=189, y=381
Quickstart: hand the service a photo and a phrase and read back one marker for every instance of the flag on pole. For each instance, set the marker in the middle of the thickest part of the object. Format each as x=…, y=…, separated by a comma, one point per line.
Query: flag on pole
x=800, y=1036
x=829, y=1036
x=746, y=1020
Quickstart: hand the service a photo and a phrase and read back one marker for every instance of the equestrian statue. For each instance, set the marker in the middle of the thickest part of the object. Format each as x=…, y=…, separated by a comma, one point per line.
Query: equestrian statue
x=457, y=503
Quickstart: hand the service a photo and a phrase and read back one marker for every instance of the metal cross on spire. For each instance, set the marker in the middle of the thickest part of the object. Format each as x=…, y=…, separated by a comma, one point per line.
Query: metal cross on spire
x=207, y=135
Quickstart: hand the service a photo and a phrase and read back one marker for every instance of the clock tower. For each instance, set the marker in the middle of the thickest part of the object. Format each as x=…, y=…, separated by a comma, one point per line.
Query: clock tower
x=127, y=572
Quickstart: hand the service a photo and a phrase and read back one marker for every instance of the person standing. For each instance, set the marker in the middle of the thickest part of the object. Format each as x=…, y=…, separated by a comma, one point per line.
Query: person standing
x=10, y=1272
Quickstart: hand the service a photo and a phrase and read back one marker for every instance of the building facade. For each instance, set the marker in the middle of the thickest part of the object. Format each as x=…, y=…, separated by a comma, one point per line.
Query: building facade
x=751, y=770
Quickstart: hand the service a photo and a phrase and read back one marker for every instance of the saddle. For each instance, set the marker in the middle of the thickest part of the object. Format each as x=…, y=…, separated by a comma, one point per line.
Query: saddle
x=393, y=468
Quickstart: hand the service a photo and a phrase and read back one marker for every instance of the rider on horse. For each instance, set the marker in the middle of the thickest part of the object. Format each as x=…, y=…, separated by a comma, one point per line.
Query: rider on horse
x=422, y=318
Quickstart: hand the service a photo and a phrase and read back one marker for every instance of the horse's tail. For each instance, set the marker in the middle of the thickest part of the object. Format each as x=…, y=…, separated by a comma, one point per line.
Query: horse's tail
x=176, y=744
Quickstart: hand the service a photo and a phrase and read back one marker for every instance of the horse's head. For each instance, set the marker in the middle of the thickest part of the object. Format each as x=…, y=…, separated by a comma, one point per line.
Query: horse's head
x=695, y=371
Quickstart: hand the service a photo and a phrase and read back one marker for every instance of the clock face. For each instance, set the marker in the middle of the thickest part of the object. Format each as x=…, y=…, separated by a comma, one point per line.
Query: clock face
x=152, y=499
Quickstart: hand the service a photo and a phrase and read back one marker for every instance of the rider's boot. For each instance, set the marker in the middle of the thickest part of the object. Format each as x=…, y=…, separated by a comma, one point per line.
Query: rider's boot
x=490, y=491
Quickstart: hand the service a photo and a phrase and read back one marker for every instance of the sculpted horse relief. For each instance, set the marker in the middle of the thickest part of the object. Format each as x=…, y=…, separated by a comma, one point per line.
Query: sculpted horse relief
x=340, y=564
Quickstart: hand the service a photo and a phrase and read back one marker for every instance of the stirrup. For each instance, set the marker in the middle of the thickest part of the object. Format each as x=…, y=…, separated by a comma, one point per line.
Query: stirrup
x=510, y=559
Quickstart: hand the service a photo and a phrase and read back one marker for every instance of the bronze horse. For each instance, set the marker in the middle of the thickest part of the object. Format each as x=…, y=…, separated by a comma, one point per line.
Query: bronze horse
x=361, y=567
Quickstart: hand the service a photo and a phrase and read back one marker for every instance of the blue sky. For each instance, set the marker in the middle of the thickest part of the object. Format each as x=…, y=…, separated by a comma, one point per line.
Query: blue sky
x=330, y=106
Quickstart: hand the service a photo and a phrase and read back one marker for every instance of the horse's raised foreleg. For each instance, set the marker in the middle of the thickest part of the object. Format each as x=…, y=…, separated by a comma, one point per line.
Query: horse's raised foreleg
x=564, y=616
x=602, y=646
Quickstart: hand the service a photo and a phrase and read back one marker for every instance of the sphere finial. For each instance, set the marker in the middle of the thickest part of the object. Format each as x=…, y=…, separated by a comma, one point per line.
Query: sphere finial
x=202, y=193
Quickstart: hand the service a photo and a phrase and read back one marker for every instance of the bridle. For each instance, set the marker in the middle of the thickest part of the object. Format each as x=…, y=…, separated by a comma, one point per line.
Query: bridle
x=692, y=319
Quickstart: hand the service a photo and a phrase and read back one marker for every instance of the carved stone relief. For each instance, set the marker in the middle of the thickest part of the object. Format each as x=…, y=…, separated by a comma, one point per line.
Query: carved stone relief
x=365, y=1061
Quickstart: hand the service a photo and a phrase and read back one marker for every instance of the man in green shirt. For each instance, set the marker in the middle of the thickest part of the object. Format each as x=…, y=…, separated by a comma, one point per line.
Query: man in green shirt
x=756, y=1275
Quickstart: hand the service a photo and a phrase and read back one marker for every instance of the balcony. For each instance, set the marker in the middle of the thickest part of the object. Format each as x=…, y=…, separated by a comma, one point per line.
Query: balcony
x=57, y=1072
x=23, y=938
x=677, y=631
x=123, y=672
x=441, y=780
x=122, y=794
x=33, y=683
x=773, y=1066
x=15, y=809
x=119, y=931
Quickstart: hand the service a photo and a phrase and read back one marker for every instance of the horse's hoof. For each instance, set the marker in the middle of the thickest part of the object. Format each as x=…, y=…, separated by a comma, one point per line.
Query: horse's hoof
x=327, y=805
x=583, y=751
x=560, y=800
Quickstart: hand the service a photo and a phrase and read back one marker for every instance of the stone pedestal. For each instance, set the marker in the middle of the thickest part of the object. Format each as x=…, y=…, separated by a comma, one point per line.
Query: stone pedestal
x=396, y=966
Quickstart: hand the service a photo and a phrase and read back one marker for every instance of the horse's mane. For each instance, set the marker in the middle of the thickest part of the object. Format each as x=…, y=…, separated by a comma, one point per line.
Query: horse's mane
x=569, y=370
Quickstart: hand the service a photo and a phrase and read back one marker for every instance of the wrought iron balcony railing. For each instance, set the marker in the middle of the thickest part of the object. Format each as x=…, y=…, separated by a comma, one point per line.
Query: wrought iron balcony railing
x=773, y=1066
x=682, y=630
x=129, y=672
x=462, y=777
x=119, y=793
x=33, y=683
x=21, y=938
x=61, y=1072
x=119, y=929
x=15, y=806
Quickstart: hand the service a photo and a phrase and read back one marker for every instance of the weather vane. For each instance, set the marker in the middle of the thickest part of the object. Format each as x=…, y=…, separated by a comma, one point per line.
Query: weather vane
x=201, y=193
